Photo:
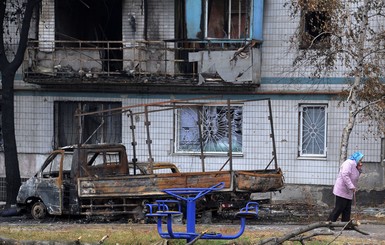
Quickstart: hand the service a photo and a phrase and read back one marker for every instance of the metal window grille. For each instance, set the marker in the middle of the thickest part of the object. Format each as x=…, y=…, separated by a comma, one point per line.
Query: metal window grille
x=313, y=122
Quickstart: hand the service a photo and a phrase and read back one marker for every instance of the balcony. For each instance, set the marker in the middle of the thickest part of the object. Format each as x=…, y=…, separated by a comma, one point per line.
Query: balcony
x=180, y=66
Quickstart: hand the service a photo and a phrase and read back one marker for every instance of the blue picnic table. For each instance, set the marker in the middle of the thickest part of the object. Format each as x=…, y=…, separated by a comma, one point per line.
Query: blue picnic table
x=188, y=196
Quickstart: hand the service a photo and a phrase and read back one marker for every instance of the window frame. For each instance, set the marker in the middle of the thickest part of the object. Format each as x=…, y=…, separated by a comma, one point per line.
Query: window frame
x=178, y=149
x=301, y=153
x=248, y=22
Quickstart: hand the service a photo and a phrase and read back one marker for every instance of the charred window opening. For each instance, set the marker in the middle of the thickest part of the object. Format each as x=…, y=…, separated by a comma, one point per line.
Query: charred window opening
x=214, y=129
x=99, y=21
x=96, y=128
x=314, y=29
x=228, y=19
x=88, y=20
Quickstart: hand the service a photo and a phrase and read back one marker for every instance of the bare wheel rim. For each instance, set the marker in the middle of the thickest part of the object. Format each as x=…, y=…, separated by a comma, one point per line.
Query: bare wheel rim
x=39, y=211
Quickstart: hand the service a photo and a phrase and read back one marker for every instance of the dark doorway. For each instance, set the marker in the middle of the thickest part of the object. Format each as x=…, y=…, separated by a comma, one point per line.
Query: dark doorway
x=92, y=20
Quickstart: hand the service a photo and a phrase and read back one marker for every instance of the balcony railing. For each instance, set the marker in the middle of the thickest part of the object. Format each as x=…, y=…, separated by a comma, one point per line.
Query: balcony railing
x=135, y=59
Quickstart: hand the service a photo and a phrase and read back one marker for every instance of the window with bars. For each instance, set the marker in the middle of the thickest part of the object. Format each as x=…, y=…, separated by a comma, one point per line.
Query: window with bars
x=208, y=128
x=228, y=19
x=313, y=129
x=103, y=127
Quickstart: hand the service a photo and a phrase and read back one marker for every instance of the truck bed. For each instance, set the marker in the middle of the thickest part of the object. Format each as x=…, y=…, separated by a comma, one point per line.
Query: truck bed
x=153, y=184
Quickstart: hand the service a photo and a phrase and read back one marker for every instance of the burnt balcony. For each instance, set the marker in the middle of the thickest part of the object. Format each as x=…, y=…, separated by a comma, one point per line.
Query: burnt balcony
x=180, y=66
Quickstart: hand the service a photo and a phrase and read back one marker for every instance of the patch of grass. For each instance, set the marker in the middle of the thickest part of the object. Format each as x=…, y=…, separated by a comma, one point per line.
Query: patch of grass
x=120, y=234
x=137, y=234
x=117, y=234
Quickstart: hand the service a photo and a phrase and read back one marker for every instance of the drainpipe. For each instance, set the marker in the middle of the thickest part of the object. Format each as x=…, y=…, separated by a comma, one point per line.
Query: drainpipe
x=145, y=9
x=382, y=148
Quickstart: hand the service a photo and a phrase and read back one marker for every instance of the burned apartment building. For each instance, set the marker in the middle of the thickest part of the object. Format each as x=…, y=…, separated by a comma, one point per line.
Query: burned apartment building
x=148, y=46
x=99, y=55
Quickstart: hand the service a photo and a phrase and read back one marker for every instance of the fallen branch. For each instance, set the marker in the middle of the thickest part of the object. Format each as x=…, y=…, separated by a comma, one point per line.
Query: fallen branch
x=197, y=238
x=103, y=239
x=295, y=235
x=307, y=237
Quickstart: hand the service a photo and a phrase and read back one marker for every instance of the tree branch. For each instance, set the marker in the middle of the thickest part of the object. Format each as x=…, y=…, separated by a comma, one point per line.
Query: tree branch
x=366, y=106
x=3, y=57
x=295, y=235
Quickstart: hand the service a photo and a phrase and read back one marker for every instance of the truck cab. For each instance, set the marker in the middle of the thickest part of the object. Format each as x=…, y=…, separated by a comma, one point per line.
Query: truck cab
x=53, y=189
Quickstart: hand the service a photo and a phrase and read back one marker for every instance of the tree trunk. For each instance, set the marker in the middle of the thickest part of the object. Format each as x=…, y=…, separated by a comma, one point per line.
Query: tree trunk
x=12, y=172
x=8, y=71
x=358, y=75
x=348, y=128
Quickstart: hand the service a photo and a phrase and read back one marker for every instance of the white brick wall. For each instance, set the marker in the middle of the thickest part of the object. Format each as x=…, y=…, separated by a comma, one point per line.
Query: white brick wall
x=133, y=9
x=161, y=19
x=34, y=127
x=277, y=54
x=47, y=25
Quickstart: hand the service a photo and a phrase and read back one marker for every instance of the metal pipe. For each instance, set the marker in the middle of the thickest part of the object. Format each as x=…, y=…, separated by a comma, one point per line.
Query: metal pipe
x=202, y=156
x=133, y=142
x=147, y=123
x=230, y=153
x=272, y=135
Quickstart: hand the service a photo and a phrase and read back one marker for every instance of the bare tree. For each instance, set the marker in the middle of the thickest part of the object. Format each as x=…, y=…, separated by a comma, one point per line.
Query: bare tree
x=12, y=12
x=347, y=36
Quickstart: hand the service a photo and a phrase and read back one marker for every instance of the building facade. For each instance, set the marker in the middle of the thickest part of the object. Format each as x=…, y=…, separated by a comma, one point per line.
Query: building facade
x=100, y=55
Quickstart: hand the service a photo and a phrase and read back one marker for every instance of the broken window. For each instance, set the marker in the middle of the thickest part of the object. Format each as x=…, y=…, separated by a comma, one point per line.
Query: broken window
x=103, y=127
x=52, y=166
x=315, y=24
x=103, y=158
x=208, y=127
x=313, y=119
x=229, y=19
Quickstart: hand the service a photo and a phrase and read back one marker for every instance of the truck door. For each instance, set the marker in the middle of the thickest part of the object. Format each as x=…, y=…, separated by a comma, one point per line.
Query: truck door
x=49, y=186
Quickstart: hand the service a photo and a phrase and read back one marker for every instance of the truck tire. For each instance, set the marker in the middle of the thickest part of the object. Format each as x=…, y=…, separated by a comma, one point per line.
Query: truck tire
x=39, y=210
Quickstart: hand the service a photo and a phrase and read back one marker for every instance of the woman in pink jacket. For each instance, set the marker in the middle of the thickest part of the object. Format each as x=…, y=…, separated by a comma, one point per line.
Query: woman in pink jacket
x=345, y=187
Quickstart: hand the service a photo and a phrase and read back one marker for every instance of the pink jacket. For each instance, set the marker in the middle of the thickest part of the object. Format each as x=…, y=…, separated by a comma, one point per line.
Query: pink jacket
x=347, y=180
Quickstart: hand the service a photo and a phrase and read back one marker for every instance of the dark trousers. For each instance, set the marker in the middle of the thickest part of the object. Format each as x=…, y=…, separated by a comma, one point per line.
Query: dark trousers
x=343, y=206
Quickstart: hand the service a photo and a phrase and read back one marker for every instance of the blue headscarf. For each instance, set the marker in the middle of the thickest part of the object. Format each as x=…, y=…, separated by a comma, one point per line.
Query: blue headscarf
x=357, y=156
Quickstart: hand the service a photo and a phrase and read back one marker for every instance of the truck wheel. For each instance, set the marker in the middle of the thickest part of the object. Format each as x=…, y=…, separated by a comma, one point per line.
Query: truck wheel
x=39, y=210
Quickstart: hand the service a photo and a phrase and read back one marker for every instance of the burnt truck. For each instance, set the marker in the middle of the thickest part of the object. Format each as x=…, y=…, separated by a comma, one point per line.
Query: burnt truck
x=98, y=180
